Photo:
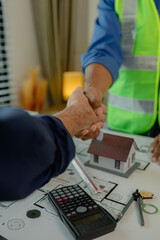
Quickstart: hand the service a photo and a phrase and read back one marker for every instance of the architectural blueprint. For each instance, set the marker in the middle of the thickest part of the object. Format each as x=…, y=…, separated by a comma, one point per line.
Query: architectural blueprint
x=113, y=196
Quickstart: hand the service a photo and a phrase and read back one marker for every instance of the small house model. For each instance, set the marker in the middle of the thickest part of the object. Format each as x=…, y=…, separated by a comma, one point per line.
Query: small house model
x=115, y=154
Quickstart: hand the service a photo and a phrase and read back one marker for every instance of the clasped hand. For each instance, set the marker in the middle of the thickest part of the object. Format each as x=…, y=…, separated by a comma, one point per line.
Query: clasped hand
x=93, y=117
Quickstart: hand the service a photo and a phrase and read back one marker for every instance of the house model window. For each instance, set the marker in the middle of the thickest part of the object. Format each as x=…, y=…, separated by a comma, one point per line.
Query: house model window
x=115, y=154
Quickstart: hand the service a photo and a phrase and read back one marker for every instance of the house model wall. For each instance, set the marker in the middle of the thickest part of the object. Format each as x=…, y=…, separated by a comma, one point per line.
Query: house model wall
x=113, y=153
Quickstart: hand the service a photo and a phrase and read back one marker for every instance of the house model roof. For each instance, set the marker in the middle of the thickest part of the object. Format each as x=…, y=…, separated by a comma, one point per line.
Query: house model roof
x=112, y=146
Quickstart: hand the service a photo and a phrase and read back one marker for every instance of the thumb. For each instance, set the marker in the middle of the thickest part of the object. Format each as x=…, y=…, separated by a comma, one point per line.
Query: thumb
x=94, y=98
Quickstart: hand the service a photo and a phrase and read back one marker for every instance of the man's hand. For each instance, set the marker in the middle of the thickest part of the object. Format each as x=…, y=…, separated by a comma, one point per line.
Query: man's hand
x=94, y=96
x=79, y=115
x=97, y=80
x=93, y=132
x=98, y=116
x=100, y=110
x=155, y=149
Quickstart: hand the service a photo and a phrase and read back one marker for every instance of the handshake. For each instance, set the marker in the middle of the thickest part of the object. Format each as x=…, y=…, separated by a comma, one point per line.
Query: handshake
x=80, y=117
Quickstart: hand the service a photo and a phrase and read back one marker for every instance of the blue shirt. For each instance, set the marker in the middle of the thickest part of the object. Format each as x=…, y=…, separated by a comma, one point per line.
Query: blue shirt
x=105, y=46
x=33, y=149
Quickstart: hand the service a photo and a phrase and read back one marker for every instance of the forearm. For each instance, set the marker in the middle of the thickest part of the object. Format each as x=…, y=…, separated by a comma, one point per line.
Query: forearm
x=33, y=150
x=96, y=75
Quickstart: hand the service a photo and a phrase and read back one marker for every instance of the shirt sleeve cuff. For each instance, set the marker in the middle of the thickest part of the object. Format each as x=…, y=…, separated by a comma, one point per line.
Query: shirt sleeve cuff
x=106, y=61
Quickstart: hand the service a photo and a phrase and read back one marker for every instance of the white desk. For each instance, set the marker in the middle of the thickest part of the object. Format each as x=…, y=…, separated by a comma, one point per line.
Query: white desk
x=15, y=225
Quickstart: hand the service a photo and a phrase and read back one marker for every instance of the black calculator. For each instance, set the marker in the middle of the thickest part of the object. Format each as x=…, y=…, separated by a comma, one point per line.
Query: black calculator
x=80, y=213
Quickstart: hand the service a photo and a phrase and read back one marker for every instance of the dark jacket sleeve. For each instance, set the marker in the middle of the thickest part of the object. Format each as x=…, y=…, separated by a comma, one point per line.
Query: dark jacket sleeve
x=33, y=149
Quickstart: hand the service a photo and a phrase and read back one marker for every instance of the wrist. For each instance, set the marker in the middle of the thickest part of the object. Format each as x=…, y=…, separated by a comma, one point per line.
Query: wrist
x=98, y=76
x=72, y=118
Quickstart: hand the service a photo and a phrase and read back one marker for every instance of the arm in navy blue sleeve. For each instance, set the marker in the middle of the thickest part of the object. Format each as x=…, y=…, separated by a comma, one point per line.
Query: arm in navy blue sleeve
x=105, y=47
x=33, y=149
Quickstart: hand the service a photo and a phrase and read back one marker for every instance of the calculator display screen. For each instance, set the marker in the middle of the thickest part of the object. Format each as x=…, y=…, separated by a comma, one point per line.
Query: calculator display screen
x=87, y=219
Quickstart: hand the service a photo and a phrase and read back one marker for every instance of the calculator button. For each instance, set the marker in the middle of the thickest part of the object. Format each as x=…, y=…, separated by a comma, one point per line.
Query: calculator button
x=82, y=193
x=57, y=197
x=59, y=190
x=65, y=198
x=73, y=192
x=73, y=213
x=76, y=195
x=90, y=208
x=95, y=206
x=59, y=200
x=67, y=192
x=70, y=197
x=61, y=204
x=55, y=194
x=81, y=209
x=68, y=215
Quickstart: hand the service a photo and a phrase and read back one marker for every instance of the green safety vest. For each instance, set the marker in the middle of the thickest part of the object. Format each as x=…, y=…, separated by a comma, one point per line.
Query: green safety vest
x=133, y=98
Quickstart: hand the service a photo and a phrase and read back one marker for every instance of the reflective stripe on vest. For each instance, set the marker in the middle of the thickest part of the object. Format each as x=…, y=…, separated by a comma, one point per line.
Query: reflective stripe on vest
x=147, y=63
x=129, y=26
x=132, y=105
